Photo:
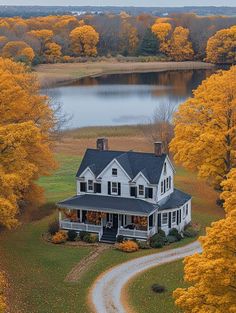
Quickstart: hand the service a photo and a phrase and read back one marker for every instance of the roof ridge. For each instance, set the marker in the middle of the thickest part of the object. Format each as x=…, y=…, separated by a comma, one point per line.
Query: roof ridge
x=127, y=152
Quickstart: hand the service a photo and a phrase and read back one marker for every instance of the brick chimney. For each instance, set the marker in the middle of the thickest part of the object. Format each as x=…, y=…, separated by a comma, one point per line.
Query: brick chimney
x=102, y=144
x=158, y=148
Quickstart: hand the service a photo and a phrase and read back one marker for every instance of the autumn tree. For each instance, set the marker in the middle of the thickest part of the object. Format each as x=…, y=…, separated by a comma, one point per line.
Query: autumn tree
x=26, y=127
x=84, y=40
x=221, y=48
x=43, y=36
x=179, y=46
x=205, y=137
x=149, y=45
x=53, y=52
x=212, y=274
x=18, y=50
x=162, y=32
x=2, y=298
x=228, y=194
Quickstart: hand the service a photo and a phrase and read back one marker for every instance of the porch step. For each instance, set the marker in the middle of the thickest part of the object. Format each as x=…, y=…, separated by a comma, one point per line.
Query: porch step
x=109, y=236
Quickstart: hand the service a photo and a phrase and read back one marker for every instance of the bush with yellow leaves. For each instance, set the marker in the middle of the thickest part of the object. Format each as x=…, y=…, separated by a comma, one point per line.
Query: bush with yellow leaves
x=59, y=237
x=128, y=246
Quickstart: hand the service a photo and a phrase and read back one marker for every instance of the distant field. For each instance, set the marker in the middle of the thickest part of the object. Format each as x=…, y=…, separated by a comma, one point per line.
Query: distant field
x=52, y=74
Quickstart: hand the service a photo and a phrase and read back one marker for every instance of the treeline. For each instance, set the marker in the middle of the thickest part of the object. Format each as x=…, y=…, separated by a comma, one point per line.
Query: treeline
x=65, y=38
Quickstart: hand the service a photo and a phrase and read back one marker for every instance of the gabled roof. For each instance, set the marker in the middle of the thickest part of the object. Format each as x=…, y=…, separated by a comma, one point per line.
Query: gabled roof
x=109, y=204
x=132, y=162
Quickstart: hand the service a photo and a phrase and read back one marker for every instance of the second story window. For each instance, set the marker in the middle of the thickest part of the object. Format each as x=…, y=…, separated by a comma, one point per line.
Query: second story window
x=114, y=188
x=141, y=190
x=90, y=185
x=114, y=172
x=162, y=187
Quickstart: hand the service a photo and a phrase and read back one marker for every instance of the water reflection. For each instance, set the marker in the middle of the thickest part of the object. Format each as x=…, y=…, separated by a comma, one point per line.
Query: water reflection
x=126, y=98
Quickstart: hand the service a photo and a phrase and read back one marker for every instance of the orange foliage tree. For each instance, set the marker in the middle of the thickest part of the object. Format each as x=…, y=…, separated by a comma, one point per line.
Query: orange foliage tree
x=43, y=36
x=17, y=50
x=162, y=31
x=204, y=127
x=180, y=48
x=221, y=48
x=53, y=52
x=84, y=40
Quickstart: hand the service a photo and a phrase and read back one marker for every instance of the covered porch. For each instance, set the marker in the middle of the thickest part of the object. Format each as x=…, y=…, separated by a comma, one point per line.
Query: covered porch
x=128, y=221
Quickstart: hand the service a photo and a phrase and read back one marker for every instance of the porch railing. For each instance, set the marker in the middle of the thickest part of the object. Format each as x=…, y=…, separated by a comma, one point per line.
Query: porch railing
x=82, y=227
x=137, y=233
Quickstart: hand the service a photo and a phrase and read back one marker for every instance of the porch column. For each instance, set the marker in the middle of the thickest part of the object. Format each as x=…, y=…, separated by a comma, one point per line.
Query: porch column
x=81, y=216
x=148, y=224
x=60, y=217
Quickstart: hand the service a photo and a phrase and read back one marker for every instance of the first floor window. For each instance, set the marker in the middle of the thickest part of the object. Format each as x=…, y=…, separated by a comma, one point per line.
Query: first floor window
x=141, y=190
x=174, y=217
x=90, y=185
x=114, y=188
x=164, y=219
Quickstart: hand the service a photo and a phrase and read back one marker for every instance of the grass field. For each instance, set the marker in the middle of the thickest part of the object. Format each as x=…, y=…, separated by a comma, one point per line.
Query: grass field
x=51, y=74
x=36, y=270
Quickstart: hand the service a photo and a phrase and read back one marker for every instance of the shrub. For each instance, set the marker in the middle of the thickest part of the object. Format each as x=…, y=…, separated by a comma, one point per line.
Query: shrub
x=157, y=241
x=128, y=246
x=174, y=232
x=158, y=288
x=171, y=239
x=82, y=234
x=53, y=227
x=71, y=234
x=190, y=232
x=59, y=237
x=120, y=238
x=90, y=238
x=161, y=232
x=143, y=245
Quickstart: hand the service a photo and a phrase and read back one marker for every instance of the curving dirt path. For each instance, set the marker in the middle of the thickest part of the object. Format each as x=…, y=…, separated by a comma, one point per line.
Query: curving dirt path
x=107, y=289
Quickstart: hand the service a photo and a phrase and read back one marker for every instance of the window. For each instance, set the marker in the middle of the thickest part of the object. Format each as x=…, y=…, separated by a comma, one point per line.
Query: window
x=141, y=190
x=97, y=188
x=165, y=168
x=186, y=210
x=162, y=187
x=164, y=219
x=90, y=185
x=174, y=217
x=114, y=188
x=83, y=187
x=167, y=183
x=149, y=193
x=114, y=172
x=133, y=191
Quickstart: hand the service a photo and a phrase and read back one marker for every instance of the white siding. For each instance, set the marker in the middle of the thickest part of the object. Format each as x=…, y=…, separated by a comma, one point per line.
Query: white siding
x=164, y=175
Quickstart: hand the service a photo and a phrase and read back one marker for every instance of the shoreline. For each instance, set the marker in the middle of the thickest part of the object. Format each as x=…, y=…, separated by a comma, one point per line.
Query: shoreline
x=53, y=75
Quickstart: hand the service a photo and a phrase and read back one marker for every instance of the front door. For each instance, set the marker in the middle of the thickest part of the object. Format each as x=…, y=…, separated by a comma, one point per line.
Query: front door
x=115, y=221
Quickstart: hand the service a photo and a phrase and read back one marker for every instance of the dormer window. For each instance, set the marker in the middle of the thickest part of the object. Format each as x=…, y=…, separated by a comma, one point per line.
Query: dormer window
x=141, y=190
x=114, y=172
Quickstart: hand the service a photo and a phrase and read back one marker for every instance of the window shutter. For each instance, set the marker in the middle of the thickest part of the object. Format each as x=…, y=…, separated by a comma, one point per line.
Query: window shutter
x=159, y=220
x=169, y=220
x=109, y=188
x=177, y=217
x=83, y=187
x=180, y=216
x=150, y=193
x=119, y=189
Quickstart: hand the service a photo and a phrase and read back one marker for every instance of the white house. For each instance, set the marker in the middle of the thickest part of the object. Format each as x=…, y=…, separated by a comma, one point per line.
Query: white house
x=125, y=193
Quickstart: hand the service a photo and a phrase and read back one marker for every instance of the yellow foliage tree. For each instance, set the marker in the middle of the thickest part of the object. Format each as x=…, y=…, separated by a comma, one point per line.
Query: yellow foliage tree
x=205, y=136
x=84, y=40
x=162, y=31
x=43, y=36
x=229, y=191
x=212, y=273
x=133, y=40
x=26, y=125
x=221, y=48
x=53, y=52
x=180, y=48
x=16, y=49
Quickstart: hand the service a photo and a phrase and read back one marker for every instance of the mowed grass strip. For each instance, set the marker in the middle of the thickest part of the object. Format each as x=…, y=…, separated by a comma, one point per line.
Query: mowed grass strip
x=37, y=269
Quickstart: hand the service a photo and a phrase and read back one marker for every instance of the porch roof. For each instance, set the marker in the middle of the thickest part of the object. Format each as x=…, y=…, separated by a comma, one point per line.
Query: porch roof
x=109, y=204
x=176, y=199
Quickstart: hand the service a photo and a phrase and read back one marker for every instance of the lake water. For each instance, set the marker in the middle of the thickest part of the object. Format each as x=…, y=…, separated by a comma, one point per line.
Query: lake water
x=125, y=98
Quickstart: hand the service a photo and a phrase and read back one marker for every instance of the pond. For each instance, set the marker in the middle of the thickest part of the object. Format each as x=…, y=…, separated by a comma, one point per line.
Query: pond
x=120, y=99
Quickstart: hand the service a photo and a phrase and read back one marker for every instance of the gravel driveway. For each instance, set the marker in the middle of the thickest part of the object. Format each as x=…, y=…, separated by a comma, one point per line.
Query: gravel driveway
x=106, y=291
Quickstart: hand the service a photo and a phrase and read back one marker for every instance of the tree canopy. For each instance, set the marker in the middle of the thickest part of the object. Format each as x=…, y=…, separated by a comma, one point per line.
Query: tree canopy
x=205, y=137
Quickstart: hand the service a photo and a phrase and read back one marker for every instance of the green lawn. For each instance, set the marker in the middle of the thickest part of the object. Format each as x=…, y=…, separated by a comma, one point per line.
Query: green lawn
x=37, y=270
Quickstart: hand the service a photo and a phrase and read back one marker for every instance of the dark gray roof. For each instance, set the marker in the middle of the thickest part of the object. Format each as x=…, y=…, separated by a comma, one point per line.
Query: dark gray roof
x=109, y=204
x=175, y=200
x=132, y=162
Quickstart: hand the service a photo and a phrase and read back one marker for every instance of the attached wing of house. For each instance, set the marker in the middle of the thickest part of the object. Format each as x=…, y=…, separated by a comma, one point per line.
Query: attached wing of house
x=125, y=193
